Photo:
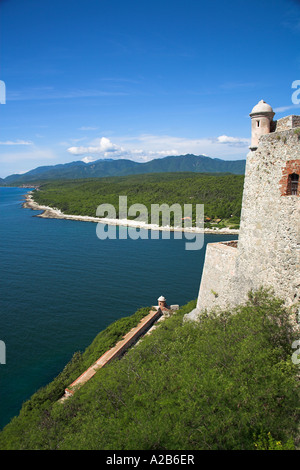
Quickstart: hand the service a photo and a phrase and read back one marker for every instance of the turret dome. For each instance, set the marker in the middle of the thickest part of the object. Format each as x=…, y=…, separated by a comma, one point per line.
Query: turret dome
x=262, y=107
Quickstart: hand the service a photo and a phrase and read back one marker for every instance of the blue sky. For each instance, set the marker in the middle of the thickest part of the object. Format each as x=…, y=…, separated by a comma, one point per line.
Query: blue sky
x=140, y=79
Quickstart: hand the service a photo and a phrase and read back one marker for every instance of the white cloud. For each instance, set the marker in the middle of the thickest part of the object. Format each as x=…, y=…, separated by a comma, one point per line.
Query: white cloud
x=16, y=142
x=49, y=93
x=282, y=109
x=101, y=146
x=88, y=159
x=160, y=146
x=237, y=141
x=146, y=147
x=157, y=146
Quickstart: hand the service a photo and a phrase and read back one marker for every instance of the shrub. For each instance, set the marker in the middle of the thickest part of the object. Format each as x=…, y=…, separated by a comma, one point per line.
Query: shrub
x=226, y=382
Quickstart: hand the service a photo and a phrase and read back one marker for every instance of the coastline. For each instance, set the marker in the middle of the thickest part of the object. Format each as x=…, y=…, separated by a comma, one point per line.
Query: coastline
x=53, y=213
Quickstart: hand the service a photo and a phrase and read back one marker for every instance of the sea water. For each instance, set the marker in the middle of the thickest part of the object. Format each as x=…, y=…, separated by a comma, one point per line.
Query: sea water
x=61, y=285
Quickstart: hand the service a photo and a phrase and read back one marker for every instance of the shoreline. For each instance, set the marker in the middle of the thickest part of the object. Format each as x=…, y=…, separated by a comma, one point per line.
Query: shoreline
x=53, y=213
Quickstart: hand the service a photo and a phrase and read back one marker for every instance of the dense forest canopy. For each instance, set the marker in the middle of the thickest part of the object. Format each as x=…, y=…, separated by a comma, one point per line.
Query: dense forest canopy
x=221, y=194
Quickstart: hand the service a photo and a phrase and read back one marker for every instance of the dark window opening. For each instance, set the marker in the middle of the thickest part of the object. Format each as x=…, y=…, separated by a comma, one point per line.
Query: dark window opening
x=258, y=123
x=293, y=183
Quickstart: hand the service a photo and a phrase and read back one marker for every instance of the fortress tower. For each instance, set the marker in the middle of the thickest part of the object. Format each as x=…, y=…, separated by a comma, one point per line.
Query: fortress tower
x=261, y=116
x=162, y=303
x=267, y=253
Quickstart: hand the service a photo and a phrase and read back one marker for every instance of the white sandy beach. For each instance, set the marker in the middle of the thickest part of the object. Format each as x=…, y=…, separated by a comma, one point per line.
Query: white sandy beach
x=53, y=213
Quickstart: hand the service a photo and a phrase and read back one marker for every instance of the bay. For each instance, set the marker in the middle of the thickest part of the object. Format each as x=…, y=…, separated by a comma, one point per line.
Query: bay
x=60, y=285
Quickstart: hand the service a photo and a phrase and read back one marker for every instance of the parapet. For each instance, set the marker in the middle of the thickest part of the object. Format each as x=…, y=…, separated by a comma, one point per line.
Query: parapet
x=286, y=123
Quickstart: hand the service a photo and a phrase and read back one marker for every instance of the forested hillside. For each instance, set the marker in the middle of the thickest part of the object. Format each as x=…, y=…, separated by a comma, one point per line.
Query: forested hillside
x=224, y=383
x=122, y=167
x=221, y=194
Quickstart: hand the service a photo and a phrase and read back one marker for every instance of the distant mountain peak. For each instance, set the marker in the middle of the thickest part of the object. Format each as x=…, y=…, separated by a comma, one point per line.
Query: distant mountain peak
x=110, y=167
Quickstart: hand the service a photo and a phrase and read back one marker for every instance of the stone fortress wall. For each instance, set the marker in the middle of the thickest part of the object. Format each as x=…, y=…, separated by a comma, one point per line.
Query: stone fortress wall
x=268, y=250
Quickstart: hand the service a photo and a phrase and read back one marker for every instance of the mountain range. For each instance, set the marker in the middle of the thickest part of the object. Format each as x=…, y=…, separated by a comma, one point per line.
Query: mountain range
x=104, y=168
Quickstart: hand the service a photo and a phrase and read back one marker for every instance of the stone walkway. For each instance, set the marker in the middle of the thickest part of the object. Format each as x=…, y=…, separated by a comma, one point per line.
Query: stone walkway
x=122, y=345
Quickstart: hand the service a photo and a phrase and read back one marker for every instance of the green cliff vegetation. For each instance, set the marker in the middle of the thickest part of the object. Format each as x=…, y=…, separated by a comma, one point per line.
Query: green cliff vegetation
x=226, y=382
x=221, y=194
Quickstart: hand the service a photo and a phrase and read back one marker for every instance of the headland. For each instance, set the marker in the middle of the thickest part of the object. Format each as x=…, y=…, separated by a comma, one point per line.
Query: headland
x=54, y=213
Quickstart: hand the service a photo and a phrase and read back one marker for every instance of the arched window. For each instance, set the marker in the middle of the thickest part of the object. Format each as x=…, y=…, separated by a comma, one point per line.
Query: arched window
x=293, y=183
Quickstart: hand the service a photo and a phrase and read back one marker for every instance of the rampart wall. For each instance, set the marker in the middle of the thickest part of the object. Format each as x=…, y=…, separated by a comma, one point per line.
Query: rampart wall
x=268, y=249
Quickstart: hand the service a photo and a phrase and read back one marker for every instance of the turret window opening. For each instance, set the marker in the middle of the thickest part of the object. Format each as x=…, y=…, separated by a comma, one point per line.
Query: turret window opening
x=257, y=123
x=293, y=183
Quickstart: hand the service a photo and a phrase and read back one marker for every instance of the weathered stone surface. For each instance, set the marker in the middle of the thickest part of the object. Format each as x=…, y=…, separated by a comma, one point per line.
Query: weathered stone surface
x=287, y=122
x=219, y=269
x=268, y=251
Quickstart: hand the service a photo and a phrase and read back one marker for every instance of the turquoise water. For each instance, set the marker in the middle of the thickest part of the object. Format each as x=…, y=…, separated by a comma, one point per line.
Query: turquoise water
x=61, y=285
